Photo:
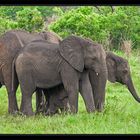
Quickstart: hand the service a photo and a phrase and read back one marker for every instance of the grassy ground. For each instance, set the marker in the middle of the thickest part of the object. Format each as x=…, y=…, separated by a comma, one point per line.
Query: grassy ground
x=121, y=114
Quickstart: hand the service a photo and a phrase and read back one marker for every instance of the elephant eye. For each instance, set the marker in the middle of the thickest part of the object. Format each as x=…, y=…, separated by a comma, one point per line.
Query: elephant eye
x=125, y=71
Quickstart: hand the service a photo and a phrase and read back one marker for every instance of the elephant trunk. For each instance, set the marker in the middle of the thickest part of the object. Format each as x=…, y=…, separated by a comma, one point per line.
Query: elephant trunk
x=132, y=90
x=98, y=83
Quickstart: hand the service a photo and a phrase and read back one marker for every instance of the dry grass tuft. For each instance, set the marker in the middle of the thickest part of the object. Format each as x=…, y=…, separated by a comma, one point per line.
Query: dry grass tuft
x=126, y=47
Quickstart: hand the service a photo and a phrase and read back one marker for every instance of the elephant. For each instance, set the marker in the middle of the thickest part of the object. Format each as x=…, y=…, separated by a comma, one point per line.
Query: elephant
x=26, y=37
x=45, y=65
x=118, y=71
x=56, y=99
x=11, y=43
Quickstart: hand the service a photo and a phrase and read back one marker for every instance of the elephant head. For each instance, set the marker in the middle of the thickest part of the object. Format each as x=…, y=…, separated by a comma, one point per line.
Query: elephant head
x=119, y=71
x=85, y=54
x=82, y=53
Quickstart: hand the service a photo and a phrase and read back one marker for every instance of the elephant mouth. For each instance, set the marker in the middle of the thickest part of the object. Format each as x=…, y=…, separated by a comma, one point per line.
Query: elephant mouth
x=121, y=81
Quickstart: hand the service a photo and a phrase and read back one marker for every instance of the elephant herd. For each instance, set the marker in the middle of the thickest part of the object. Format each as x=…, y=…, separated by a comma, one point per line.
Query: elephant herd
x=58, y=70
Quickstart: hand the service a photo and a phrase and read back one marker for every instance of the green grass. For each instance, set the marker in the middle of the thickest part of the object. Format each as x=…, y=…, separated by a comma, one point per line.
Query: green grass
x=121, y=114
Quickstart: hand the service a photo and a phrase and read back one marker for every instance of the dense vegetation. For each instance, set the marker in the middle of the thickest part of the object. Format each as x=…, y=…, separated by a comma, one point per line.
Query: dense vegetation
x=106, y=25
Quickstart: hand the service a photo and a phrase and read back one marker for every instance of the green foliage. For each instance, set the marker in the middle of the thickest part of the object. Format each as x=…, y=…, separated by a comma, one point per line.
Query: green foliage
x=81, y=21
x=103, y=25
x=7, y=24
x=10, y=11
x=123, y=25
x=27, y=18
x=100, y=23
x=46, y=11
x=30, y=19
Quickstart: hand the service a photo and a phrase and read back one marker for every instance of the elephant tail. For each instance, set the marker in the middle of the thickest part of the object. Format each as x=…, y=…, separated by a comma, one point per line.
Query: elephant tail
x=14, y=74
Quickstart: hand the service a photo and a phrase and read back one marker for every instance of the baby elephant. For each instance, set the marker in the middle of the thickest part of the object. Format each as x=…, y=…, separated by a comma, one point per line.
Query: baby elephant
x=56, y=98
x=118, y=71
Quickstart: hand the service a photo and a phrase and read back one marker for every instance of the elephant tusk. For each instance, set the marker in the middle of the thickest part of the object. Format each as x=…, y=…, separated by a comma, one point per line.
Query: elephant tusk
x=97, y=73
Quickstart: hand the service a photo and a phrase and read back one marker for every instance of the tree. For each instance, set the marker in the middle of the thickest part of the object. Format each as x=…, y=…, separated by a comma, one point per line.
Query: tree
x=104, y=24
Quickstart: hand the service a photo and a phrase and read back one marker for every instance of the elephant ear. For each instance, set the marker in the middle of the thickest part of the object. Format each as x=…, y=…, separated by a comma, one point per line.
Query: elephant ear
x=71, y=50
x=111, y=67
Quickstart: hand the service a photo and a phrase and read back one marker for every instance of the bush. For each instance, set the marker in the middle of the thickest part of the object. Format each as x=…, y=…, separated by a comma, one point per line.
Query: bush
x=10, y=11
x=81, y=21
x=102, y=25
x=7, y=24
x=123, y=25
x=30, y=19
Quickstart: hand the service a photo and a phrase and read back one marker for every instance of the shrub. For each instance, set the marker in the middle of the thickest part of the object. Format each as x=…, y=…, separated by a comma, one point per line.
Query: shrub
x=7, y=24
x=30, y=19
x=104, y=25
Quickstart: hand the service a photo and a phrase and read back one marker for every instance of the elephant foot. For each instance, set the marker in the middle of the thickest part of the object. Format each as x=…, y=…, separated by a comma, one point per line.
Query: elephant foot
x=29, y=113
x=13, y=111
x=100, y=107
x=92, y=110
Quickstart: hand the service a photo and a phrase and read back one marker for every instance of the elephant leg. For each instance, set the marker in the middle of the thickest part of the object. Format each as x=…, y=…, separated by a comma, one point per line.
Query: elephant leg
x=27, y=89
x=26, y=102
x=12, y=101
x=70, y=81
x=40, y=101
x=64, y=108
x=86, y=92
x=26, y=105
x=50, y=108
x=73, y=98
x=98, y=84
x=47, y=101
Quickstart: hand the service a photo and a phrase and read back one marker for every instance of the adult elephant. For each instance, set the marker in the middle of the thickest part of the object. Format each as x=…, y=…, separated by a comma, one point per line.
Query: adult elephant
x=10, y=44
x=118, y=71
x=45, y=65
x=25, y=37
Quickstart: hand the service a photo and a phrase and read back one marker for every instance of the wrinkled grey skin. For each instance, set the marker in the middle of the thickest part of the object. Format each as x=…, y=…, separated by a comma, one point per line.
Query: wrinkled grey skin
x=26, y=37
x=45, y=65
x=10, y=44
x=9, y=47
x=118, y=71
